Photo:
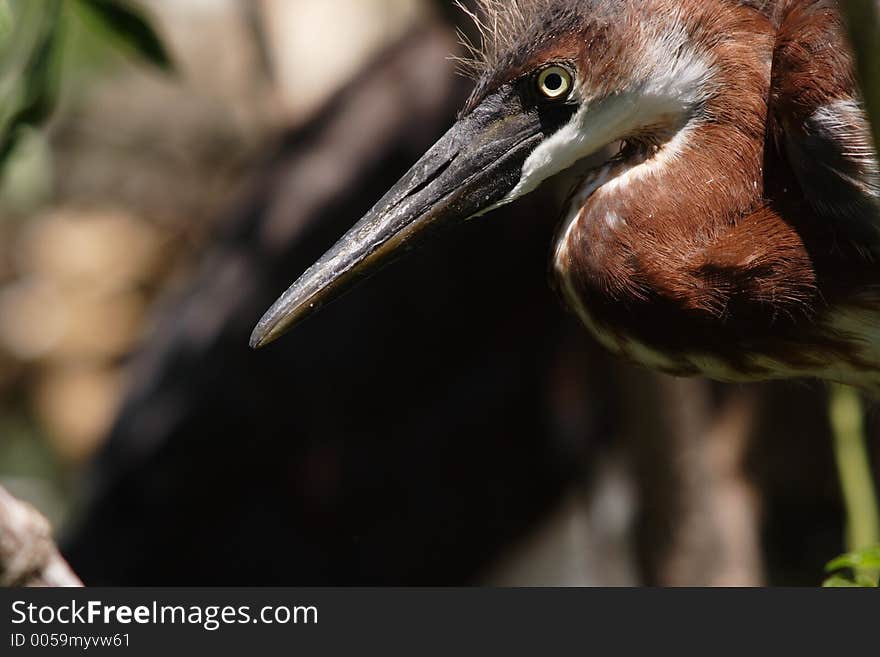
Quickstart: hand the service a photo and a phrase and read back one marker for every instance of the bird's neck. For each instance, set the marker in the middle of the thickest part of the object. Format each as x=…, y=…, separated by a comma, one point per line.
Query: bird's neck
x=696, y=252
x=656, y=248
x=685, y=177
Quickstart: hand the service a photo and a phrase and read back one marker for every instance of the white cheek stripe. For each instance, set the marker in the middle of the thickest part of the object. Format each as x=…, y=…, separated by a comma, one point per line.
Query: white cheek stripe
x=591, y=129
x=674, y=80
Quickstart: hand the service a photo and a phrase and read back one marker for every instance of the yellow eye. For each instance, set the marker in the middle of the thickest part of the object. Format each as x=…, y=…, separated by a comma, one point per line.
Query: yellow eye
x=554, y=82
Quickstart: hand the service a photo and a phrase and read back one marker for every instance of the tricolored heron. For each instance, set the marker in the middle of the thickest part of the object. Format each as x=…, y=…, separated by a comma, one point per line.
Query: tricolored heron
x=726, y=214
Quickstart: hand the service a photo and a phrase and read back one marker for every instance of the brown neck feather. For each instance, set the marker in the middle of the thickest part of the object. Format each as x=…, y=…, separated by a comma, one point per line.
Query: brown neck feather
x=691, y=257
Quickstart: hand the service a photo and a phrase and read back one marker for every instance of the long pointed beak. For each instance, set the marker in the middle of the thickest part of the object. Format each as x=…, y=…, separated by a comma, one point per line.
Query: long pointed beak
x=471, y=169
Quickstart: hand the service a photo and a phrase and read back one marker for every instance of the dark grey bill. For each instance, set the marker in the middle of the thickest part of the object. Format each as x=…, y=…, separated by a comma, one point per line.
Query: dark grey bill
x=473, y=167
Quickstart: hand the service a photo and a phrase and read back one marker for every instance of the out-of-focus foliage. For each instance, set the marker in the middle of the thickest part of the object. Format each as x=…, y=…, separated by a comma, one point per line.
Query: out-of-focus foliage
x=860, y=568
x=124, y=27
x=29, y=59
x=5, y=19
x=35, y=44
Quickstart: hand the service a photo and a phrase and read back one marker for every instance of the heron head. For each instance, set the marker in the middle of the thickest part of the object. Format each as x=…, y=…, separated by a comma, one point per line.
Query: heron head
x=557, y=82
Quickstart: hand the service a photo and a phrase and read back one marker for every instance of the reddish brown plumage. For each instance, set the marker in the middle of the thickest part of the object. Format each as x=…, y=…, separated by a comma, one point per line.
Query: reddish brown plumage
x=721, y=263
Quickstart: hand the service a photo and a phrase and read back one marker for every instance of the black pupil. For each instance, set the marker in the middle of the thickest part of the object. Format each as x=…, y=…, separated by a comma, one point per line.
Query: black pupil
x=553, y=82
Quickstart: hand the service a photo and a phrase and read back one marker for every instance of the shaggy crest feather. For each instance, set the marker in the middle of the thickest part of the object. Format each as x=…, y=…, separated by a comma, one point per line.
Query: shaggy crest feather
x=504, y=26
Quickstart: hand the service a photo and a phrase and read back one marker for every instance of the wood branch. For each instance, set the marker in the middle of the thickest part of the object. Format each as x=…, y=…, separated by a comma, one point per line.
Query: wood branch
x=863, y=19
x=28, y=555
x=698, y=521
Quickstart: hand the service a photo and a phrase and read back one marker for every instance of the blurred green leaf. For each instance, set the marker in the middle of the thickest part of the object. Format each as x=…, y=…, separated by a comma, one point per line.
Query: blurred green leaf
x=34, y=54
x=26, y=182
x=30, y=89
x=5, y=20
x=868, y=581
x=863, y=559
x=124, y=26
x=860, y=581
x=863, y=564
x=839, y=582
x=41, y=79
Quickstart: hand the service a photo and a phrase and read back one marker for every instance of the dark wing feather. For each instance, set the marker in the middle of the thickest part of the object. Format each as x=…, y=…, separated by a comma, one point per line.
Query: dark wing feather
x=818, y=121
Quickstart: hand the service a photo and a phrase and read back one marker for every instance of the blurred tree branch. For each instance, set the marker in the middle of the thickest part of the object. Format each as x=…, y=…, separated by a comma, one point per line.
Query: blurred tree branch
x=28, y=555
